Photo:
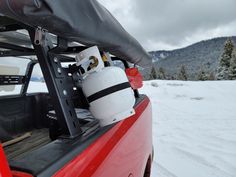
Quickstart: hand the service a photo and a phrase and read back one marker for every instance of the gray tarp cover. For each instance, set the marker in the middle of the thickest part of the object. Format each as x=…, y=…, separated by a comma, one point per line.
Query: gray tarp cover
x=85, y=21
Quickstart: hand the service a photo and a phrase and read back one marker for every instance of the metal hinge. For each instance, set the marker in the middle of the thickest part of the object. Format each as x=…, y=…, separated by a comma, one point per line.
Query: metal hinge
x=40, y=38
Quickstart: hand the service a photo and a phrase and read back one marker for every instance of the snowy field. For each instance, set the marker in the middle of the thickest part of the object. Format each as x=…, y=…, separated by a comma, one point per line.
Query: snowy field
x=194, y=128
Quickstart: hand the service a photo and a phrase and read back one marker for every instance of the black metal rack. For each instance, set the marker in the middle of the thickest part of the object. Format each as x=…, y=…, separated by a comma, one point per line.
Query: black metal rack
x=59, y=83
x=58, y=80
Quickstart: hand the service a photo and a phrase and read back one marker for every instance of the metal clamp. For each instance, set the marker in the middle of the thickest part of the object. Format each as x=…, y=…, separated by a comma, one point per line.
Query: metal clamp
x=39, y=38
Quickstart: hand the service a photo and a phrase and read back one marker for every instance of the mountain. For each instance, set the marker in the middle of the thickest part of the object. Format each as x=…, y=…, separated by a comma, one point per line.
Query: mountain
x=202, y=55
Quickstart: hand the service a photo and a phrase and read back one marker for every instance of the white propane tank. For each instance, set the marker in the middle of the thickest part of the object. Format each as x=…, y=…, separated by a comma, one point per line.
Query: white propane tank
x=89, y=58
x=110, y=96
x=107, y=89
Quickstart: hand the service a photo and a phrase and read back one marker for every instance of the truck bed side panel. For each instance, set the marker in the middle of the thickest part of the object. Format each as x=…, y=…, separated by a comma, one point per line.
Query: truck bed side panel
x=122, y=151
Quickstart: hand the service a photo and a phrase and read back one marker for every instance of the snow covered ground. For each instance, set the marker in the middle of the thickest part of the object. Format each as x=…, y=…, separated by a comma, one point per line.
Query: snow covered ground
x=194, y=128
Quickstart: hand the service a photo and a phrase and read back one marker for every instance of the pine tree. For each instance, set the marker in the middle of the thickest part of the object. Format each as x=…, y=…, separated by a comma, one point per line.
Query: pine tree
x=153, y=74
x=232, y=68
x=223, y=69
x=182, y=75
x=211, y=76
x=202, y=76
x=161, y=74
x=173, y=77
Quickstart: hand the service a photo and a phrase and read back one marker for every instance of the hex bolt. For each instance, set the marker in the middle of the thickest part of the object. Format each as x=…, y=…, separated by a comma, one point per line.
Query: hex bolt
x=59, y=70
x=65, y=92
x=55, y=59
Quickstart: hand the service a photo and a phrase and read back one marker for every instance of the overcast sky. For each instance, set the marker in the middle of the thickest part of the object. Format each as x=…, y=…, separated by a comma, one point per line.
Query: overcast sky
x=171, y=24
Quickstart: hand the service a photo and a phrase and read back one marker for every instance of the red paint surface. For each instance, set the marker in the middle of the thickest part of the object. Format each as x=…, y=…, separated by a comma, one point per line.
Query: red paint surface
x=4, y=167
x=122, y=151
x=20, y=174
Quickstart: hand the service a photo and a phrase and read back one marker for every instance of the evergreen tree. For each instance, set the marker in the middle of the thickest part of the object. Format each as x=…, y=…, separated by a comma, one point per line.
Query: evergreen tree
x=182, y=75
x=161, y=74
x=153, y=74
x=232, y=68
x=211, y=76
x=223, y=69
x=173, y=77
x=202, y=76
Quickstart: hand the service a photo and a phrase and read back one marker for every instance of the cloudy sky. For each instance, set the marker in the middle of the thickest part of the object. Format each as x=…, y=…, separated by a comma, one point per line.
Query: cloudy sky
x=171, y=24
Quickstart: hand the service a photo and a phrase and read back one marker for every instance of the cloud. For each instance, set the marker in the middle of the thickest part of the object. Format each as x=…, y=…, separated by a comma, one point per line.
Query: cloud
x=169, y=24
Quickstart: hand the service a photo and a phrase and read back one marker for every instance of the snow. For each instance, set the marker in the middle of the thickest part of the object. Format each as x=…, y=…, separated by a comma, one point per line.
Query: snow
x=194, y=128
x=34, y=87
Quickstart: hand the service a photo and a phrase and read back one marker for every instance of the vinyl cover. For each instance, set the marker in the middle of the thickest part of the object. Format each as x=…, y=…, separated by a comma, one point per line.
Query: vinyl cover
x=84, y=21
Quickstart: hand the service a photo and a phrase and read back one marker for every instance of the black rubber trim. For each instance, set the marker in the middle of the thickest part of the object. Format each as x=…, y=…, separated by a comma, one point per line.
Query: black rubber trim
x=108, y=91
x=47, y=160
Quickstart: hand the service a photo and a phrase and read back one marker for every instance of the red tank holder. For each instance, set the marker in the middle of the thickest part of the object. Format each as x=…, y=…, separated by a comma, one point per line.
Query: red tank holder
x=135, y=78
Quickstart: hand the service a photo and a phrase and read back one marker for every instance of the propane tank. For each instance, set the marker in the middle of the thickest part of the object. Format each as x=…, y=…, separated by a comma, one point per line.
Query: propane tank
x=107, y=89
x=89, y=61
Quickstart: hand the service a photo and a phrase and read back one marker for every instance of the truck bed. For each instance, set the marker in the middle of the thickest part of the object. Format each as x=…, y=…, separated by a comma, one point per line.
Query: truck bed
x=38, y=138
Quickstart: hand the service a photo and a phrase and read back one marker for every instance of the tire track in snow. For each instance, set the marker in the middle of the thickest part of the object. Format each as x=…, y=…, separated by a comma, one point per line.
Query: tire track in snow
x=218, y=172
x=162, y=171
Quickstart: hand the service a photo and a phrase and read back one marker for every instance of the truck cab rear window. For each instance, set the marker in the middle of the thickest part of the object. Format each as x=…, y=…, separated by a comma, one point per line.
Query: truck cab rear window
x=37, y=83
x=11, y=68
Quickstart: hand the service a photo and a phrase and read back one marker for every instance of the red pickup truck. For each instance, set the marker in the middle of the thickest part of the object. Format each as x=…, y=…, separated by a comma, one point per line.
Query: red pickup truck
x=55, y=132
